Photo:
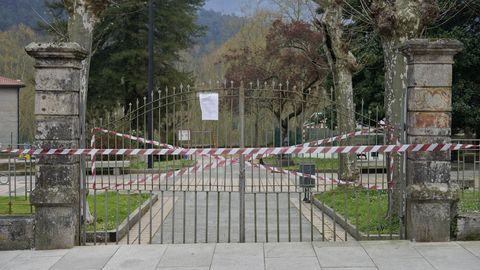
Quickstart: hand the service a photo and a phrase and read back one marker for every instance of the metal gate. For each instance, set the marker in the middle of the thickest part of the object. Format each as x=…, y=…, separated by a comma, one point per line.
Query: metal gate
x=145, y=197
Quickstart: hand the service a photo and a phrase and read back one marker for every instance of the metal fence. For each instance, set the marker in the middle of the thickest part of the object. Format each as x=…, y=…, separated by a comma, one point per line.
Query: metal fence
x=466, y=173
x=200, y=202
x=202, y=198
x=17, y=179
x=235, y=198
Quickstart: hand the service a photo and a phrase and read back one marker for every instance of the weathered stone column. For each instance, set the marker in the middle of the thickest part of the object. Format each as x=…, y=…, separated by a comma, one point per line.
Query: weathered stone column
x=431, y=197
x=56, y=193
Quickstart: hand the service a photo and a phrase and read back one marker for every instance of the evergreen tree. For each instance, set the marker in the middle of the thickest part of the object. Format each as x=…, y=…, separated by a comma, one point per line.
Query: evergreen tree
x=119, y=64
x=118, y=69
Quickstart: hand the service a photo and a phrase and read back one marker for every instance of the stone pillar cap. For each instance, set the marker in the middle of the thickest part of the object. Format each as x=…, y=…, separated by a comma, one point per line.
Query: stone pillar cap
x=431, y=46
x=61, y=50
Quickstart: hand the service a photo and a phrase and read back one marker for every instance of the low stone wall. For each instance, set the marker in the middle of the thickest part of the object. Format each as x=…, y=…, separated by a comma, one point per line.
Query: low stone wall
x=16, y=232
x=468, y=227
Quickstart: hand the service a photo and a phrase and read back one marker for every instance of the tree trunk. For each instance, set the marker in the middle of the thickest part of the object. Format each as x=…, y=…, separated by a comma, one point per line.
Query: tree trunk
x=80, y=30
x=395, y=87
x=395, y=22
x=342, y=64
x=345, y=120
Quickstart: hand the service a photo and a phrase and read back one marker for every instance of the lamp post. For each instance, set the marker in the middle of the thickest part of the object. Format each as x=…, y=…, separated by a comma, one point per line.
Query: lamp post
x=151, y=23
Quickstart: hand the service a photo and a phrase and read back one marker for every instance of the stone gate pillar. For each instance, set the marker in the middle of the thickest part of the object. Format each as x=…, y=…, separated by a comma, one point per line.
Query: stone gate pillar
x=431, y=197
x=56, y=192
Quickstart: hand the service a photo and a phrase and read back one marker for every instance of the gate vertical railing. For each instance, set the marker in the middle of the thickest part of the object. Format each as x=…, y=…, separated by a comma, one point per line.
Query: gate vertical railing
x=202, y=193
x=241, y=108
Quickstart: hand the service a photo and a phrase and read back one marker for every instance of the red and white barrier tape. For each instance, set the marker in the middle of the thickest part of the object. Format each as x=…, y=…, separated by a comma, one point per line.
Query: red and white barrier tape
x=261, y=151
x=130, y=137
x=313, y=176
x=134, y=138
x=339, y=137
x=196, y=168
x=93, y=159
x=154, y=178
x=165, y=145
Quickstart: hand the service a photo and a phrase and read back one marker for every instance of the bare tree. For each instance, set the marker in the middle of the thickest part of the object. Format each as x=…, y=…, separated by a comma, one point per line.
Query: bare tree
x=83, y=16
x=395, y=22
x=343, y=65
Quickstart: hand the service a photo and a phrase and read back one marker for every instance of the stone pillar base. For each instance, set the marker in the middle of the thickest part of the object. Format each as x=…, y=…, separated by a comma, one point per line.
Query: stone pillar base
x=61, y=229
x=429, y=211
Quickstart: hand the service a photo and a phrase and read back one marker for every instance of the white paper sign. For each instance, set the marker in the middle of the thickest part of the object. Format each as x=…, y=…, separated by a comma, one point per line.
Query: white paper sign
x=209, y=105
x=184, y=135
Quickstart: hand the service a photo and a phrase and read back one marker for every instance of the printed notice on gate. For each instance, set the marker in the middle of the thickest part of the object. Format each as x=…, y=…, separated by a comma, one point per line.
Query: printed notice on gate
x=209, y=105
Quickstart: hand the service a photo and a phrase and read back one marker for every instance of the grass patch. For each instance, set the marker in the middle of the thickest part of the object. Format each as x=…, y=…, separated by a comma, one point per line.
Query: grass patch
x=469, y=201
x=372, y=208
x=164, y=165
x=321, y=164
x=111, y=208
x=19, y=206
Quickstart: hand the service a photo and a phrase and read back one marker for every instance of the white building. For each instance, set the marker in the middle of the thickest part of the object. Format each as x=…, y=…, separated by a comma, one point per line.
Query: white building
x=9, y=110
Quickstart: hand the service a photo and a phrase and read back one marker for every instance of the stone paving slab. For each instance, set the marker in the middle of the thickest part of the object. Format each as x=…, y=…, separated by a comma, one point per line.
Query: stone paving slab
x=238, y=256
x=291, y=263
x=188, y=255
x=391, y=255
x=473, y=247
x=390, y=249
x=136, y=257
x=405, y=263
x=86, y=258
x=347, y=254
x=448, y=255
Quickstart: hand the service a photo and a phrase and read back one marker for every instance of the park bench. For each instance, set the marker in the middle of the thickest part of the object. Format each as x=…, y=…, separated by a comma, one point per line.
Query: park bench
x=113, y=165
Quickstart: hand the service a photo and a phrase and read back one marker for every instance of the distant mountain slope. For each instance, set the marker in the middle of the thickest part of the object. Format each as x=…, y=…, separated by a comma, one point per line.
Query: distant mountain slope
x=14, y=12
x=251, y=32
x=220, y=28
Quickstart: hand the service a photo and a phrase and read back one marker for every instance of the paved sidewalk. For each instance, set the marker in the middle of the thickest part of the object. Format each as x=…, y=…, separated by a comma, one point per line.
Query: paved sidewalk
x=317, y=255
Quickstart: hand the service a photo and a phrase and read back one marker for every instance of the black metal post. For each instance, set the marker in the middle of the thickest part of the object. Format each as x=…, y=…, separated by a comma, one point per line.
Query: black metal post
x=151, y=23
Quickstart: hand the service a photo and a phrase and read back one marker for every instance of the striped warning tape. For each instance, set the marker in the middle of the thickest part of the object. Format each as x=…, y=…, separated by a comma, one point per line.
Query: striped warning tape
x=156, y=143
x=340, y=137
x=93, y=159
x=155, y=178
x=317, y=177
x=133, y=138
x=196, y=168
x=260, y=151
x=313, y=143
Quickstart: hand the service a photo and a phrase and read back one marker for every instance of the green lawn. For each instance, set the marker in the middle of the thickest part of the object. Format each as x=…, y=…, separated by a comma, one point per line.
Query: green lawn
x=19, y=206
x=164, y=165
x=469, y=201
x=321, y=164
x=112, y=208
x=372, y=208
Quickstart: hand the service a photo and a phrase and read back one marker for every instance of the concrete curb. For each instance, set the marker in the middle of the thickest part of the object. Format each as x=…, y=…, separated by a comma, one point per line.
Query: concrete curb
x=349, y=227
x=123, y=228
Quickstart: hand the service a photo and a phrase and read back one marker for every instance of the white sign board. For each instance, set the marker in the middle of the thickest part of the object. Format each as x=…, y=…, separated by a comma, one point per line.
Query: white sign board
x=209, y=105
x=184, y=135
